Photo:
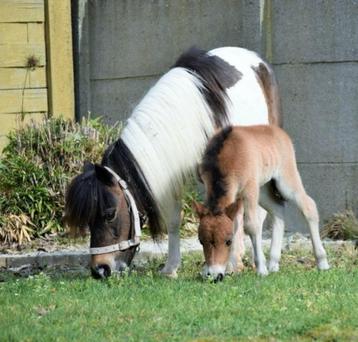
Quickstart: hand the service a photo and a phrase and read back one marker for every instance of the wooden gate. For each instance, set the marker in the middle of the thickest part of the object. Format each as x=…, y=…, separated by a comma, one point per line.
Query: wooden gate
x=36, y=67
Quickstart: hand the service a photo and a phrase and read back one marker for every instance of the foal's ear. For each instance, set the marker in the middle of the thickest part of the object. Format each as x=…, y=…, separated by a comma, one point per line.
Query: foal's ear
x=104, y=175
x=199, y=208
x=232, y=209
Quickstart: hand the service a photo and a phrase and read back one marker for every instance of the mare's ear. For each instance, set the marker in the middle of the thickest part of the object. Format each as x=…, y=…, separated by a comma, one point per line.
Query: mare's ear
x=232, y=209
x=87, y=166
x=199, y=209
x=104, y=175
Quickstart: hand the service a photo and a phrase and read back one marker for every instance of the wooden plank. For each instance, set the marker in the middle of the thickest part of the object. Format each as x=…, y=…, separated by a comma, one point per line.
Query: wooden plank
x=16, y=55
x=18, y=101
x=36, y=32
x=13, y=32
x=59, y=58
x=14, y=121
x=19, y=78
x=13, y=11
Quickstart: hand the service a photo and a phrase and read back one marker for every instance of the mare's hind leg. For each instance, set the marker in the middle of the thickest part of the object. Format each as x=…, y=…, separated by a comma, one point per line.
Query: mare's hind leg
x=253, y=227
x=174, y=257
x=291, y=187
x=237, y=251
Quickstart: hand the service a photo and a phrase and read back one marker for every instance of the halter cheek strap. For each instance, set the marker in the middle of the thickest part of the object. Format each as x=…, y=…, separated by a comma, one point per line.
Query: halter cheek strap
x=123, y=245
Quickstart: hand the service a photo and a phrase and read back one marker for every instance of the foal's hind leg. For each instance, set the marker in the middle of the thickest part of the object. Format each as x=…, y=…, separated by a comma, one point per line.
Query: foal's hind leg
x=291, y=187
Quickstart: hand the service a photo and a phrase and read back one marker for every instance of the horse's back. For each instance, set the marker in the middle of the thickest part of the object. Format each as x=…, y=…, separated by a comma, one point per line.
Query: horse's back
x=254, y=98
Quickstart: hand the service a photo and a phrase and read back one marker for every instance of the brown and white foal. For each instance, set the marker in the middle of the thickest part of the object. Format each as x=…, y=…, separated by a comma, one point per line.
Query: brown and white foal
x=244, y=168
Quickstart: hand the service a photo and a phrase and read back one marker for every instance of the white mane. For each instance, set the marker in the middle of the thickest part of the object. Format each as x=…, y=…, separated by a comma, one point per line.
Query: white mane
x=167, y=133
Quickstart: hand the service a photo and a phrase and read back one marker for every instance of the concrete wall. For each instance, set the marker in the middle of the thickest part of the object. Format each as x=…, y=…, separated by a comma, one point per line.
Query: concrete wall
x=314, y=51
x=125, y=45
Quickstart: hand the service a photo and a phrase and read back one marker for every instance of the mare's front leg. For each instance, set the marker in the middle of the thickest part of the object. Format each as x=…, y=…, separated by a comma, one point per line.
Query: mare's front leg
x=276, y=212
x=174, y=257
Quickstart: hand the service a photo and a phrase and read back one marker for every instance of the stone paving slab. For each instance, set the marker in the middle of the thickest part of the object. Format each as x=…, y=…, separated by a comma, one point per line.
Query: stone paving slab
x=148, y=250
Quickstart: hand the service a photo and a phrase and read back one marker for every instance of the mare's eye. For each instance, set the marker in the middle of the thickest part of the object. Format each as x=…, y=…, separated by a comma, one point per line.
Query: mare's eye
x=201, y=242
x=228, y=242
x=110, y=215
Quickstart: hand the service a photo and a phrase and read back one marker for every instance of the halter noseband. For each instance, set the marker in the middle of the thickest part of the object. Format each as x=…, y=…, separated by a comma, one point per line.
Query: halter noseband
x=123, y=245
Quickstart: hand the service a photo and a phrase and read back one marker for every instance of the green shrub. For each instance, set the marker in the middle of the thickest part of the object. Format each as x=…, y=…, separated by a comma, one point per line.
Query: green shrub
x=35, y=168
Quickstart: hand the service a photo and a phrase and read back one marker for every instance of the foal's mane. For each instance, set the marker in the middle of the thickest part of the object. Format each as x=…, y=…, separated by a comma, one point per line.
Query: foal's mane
x=210, y=164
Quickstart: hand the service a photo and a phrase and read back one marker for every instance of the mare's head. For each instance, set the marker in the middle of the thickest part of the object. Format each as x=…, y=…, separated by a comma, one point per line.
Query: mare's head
x=216, y=231
x=94, y=199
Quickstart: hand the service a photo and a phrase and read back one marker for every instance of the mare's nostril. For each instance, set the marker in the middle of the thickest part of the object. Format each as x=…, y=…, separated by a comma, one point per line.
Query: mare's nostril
x=101, y=271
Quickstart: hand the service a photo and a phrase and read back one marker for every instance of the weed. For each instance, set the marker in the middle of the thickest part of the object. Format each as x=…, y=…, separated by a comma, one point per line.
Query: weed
x=342, y=226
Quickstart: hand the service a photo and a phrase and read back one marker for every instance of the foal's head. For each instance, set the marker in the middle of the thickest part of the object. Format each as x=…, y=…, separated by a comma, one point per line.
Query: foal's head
x=95, y=200
x=216, y=231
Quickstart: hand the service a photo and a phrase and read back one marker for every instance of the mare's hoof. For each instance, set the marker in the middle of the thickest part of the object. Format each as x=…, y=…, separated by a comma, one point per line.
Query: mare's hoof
x=170, y=275
x=234, y=269
x=323, y=265
x=274, y=267
x=262, y=272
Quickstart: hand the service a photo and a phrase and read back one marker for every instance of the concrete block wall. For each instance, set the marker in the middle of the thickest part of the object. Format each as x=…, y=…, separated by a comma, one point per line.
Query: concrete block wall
x=314, y=52
x=125, y=45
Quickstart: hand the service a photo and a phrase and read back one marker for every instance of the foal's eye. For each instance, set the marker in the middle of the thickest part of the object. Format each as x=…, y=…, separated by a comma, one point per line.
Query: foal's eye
x=110, y=215
x=228, y=242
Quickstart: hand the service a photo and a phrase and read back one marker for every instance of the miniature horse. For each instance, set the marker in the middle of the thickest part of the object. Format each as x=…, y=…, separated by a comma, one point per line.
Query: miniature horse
x=142, y=174
x=238, y=162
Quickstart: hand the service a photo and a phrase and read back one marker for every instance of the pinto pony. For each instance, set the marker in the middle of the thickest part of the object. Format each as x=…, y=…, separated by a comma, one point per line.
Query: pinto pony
x=237, y=163
x=141, y=175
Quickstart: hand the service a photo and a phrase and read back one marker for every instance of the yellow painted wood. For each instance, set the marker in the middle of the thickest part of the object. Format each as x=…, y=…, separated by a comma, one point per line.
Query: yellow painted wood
x=15, y=121
x=14, y=78
x=59, y=58
x=19, y=101
x=13, y=32
x=16, y=55
x=22, y=11
x=36, y=32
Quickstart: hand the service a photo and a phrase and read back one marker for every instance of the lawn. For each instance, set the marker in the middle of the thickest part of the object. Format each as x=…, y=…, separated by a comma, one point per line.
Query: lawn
x=298, y=303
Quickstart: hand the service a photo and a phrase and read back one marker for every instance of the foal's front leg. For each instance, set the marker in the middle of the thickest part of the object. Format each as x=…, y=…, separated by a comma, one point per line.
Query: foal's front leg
x=235, y=264
x=253, y=227
x=174, y=257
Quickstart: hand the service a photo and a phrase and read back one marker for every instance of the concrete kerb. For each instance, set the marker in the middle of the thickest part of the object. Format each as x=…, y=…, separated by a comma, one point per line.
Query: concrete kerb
x=148, y=250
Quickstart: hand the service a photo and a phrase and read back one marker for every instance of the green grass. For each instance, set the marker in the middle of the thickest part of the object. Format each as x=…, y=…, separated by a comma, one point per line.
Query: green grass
x=298, y=303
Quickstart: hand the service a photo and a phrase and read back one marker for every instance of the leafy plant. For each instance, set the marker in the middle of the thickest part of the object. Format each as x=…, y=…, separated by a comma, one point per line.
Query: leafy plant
x=35, y=168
